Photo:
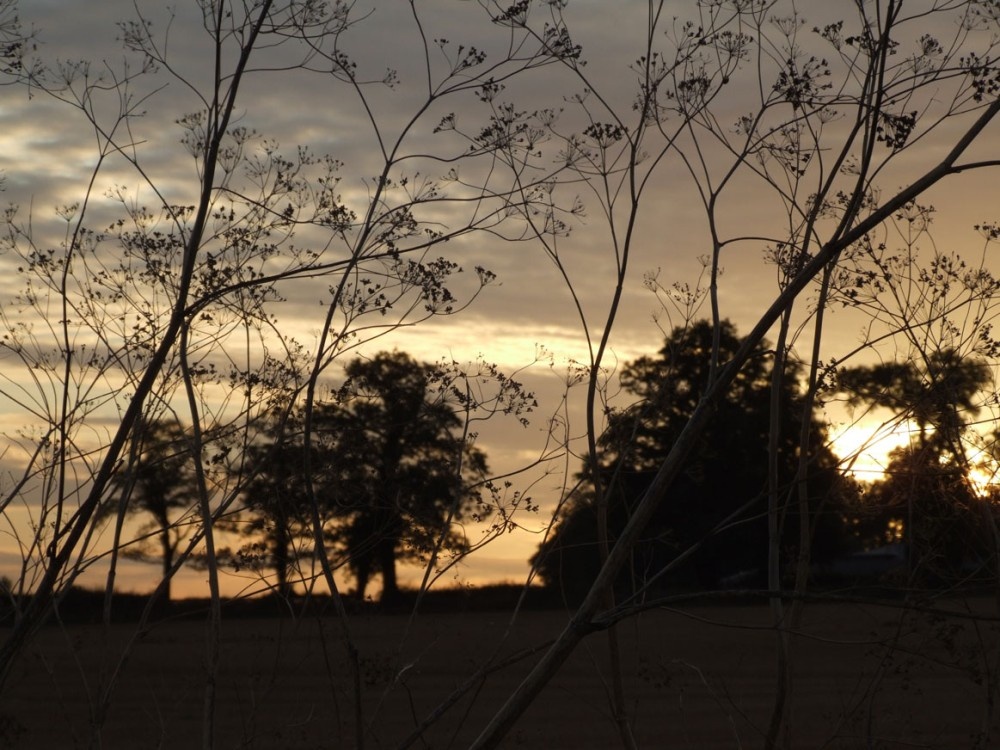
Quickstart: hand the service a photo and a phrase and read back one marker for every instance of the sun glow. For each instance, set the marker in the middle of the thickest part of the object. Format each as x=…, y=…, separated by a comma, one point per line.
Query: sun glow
x=984, y=476
x=865, y=445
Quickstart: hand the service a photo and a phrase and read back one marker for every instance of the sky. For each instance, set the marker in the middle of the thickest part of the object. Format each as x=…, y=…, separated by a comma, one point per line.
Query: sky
x=526, y=322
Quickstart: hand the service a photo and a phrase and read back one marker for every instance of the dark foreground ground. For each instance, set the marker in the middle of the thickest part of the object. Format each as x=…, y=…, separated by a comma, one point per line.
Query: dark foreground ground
x=864, y=676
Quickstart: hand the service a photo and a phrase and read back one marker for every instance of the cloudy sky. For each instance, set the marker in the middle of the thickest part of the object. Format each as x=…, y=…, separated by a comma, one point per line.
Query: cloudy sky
x=48, y=154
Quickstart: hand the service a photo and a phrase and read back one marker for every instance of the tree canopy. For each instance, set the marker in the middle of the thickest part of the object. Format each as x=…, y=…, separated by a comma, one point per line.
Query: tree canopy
x=390, y=472
x=724, y=482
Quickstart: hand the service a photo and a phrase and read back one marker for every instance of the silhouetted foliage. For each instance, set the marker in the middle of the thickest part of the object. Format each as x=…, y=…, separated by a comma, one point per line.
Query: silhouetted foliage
x=926, y=499
x=158, y=480
x=727, y=471
x=930, y=505
x=395, y=446
x=384, y=461
x=279, y=518
x=936, y=394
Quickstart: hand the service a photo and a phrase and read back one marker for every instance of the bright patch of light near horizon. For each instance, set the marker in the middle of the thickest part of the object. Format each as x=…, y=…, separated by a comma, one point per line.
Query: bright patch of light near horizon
x=864, y=447
x=984, y=475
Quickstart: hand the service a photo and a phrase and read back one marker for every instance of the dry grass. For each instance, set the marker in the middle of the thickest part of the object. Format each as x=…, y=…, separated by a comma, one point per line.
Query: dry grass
x=866, y=676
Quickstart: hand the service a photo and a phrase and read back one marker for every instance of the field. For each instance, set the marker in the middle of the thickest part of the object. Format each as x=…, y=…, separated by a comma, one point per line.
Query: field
x=704, y=677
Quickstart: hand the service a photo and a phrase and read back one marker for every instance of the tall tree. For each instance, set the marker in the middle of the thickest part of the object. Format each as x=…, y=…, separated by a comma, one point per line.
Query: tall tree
x=399, y=469
x=278, y=521
x=390, y=469
x=158, y=480
x=726, y=473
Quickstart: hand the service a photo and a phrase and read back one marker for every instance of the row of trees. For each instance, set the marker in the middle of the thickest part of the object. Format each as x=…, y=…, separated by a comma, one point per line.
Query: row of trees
x=394, y=470
x=715, y=529
x=397, y=478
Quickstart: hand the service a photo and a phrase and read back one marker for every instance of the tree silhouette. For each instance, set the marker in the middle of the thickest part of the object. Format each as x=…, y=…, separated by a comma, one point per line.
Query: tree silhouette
x=393, y=475
x=279, y=519
x=384, y=461
x=936, y=393
x=158, y=481
x=727, y=472
x=929, y=504
x=926, y=498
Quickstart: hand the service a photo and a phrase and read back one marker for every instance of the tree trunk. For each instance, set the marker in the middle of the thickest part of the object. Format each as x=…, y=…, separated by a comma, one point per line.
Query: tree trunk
x=281, y=556
x=387, y=563
x=168, y=562
x=363, y=573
